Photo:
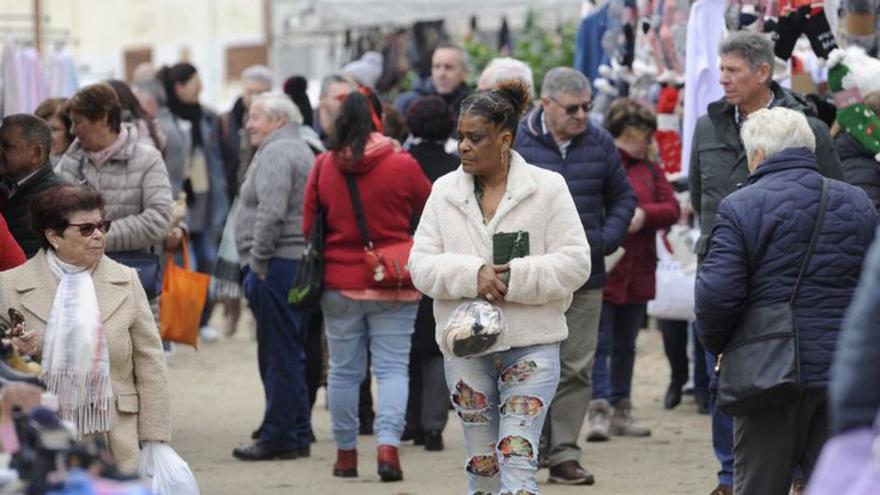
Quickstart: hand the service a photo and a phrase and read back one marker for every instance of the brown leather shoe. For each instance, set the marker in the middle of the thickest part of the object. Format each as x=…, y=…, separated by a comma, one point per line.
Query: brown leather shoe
x=571, y=473
x=722, y=490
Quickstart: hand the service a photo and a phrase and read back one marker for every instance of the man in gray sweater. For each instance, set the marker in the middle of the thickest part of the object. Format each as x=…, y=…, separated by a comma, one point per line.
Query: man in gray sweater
x=268, y=235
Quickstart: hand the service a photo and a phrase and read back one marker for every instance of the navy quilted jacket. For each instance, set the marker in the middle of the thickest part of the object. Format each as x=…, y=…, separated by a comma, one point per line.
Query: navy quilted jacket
x=596, y=179
x=758, y=243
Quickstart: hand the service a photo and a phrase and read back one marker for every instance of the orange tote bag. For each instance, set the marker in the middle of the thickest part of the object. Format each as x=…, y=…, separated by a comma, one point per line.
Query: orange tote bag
x=184, y=293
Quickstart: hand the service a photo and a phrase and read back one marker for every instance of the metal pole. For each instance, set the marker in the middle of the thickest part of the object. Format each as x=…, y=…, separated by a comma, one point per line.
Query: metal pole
x=38, y=27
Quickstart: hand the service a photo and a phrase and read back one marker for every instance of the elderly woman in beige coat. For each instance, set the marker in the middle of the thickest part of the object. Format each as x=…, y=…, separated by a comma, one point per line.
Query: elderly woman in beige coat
x=87, y=320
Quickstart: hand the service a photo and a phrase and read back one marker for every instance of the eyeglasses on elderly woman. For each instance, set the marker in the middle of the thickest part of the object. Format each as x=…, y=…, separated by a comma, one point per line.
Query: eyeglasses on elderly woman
x=86, y=229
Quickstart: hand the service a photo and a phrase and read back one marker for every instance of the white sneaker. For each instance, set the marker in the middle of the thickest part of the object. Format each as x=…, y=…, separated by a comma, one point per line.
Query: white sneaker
x=599, y=417
x=209, y=334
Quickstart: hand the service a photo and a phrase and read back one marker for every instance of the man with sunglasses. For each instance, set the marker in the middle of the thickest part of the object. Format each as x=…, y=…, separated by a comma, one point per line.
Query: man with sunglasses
x=25, y=142
x=558, y=136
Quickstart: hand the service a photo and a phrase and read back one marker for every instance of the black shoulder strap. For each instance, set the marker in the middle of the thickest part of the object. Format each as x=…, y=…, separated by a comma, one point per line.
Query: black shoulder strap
x=358, y=209
x=814, y=238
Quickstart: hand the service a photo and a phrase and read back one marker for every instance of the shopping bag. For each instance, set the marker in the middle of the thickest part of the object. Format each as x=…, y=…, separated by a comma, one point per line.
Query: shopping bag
x=676, y=276
x=168, y=473
x=184, y=293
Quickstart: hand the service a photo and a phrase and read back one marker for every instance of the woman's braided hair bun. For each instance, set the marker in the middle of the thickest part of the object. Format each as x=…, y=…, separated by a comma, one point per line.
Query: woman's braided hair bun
x=516, y=92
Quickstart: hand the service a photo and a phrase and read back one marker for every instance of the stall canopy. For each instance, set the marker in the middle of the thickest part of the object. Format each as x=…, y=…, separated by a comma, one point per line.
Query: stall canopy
x=345, y=14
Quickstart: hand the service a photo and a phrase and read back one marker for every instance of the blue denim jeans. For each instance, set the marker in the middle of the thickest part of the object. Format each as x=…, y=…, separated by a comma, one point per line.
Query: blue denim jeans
x=722, y=428
x=352, y=326
x=281, y=356
x=501, y=400
x=616, y=351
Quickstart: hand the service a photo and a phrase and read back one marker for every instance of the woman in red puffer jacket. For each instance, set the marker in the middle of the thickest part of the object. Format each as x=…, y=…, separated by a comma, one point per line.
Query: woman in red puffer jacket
x=631, y=283
x=357, y=315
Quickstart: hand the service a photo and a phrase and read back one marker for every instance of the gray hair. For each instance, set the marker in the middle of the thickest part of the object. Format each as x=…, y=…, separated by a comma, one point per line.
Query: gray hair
x=335, y=78
x=462, y=54
x=501, y=69
x=154, y=88
x=279, y=104
x=775, y=130
x=258, y=73
x=754, y=48
x=564, y=80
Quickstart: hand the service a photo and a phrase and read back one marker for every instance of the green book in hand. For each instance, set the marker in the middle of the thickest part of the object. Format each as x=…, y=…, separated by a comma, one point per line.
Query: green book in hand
x=509, y=245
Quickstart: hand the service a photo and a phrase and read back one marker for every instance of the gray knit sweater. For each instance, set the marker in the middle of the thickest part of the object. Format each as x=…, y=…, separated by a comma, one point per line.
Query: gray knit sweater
x=269, y=220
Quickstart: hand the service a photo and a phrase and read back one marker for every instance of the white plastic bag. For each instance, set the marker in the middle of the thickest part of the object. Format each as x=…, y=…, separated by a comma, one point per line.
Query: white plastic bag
x=168, y=473
x=473, y=328
x=676, y=276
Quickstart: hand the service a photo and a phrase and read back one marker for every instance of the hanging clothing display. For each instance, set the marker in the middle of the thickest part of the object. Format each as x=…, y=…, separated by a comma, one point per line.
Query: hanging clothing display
x=61, y=75
x=807, y=17
x=705, y=31
x=589, y=53
x=668, y=125
x=28, y=78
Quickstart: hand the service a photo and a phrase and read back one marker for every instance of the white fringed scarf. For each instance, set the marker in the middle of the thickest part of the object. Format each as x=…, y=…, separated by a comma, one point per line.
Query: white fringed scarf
x=76, y=362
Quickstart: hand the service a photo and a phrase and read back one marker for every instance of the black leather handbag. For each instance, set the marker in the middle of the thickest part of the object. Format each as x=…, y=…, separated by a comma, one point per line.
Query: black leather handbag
x=760, y=367
x=308, y=283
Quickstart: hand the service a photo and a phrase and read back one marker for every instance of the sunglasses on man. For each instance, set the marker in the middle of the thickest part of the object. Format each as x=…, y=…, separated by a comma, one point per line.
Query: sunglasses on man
x=89, y=228
x=572, y=109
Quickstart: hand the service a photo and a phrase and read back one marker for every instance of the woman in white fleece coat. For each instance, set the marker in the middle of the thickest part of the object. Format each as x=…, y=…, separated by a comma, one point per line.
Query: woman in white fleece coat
x=501, y=396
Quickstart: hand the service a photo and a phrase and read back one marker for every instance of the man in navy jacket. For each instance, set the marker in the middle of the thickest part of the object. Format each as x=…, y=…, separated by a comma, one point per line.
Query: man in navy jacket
x=758, y=244
x=558, y=136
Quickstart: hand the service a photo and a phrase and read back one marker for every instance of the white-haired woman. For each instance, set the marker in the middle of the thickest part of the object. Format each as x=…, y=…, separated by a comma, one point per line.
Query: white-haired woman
x=268, y=235
x=760, y=240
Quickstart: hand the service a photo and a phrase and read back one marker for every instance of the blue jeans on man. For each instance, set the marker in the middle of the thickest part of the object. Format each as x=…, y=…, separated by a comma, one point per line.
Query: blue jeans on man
x=280, y=352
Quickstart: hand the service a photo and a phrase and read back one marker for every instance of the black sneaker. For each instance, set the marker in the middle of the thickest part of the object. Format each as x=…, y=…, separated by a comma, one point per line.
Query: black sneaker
x=434, y=441
x=257, y=451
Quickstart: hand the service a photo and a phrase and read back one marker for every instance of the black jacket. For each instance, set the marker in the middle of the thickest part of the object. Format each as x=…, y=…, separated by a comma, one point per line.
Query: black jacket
x=18, y=210
x=718, y=158
x=426, y=88
x=859, y=166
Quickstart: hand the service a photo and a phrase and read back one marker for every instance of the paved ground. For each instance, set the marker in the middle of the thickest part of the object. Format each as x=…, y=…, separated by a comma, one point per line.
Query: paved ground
x=218, y=400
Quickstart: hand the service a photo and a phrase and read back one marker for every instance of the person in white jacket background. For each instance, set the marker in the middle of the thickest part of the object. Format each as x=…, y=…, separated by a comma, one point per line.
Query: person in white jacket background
x=502, y=395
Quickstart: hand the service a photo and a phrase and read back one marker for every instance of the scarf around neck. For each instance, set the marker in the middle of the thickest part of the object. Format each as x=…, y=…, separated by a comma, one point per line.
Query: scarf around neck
x=101, y=156
x=76, y=362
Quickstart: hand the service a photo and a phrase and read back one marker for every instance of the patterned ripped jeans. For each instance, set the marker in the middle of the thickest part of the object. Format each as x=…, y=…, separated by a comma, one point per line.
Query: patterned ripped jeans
x=501, y=400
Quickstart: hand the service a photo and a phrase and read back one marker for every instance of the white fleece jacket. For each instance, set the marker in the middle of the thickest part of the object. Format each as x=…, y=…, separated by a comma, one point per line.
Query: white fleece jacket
x=452, y=243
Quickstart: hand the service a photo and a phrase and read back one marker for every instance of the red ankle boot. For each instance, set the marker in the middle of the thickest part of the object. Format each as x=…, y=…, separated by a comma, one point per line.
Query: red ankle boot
x=346, y=463
x=389, y=463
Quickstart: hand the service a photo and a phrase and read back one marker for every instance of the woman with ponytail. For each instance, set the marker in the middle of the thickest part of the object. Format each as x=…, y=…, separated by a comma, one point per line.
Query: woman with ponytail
x=392, y=191
x=501, y=394
x=204, y=174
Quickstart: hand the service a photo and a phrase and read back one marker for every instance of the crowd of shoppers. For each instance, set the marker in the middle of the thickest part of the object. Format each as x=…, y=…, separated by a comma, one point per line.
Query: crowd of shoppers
x=423, y=192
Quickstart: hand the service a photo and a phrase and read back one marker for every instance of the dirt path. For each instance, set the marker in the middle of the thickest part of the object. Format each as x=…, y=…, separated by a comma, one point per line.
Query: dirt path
x=218, y=400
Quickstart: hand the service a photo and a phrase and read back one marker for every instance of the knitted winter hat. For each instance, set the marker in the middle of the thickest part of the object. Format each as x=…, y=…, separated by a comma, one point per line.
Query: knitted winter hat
x=852, y=75
x=367, y=70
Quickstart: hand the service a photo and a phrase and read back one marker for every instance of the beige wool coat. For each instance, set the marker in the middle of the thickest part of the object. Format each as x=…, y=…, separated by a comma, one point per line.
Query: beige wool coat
x=138, y=373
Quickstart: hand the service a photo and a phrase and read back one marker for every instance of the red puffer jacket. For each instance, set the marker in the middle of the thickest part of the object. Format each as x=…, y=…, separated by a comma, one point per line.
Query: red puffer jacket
x=633, y=279
x=393, y=190
x=11, y=254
